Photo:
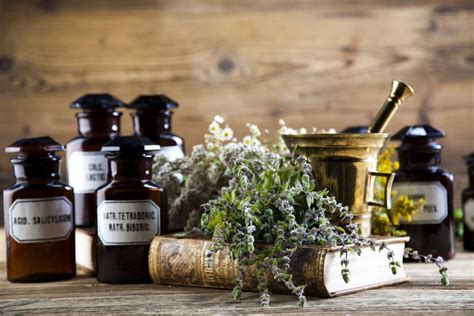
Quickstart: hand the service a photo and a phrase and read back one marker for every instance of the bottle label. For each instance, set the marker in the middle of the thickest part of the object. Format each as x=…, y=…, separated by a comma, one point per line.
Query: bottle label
x=87, y=171
x=171, y=152
x=41, y=220
x=469, y=214
x=435, y=195
x=125, y=222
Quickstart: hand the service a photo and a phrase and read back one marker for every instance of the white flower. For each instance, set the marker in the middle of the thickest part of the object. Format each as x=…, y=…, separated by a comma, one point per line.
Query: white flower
x=247, y=140
x=281, y=122
x=254, y=130
x=214, y=128
x=210, y=146
x=302, y=130
x=219, y=119
x=178, y=176
x=227, y=134
x=255, y=142
x=332, y=131
x=287, y=130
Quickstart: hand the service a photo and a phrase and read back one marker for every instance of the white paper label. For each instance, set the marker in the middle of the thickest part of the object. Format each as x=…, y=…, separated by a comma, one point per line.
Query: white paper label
x=87, y=171
x=469, y=214
x=41, y=220
x=435, y=195
x=171, y=152
x=127, y=222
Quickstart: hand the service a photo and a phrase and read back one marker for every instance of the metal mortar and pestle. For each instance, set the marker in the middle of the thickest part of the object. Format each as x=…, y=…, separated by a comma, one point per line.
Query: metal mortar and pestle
x=346, y=164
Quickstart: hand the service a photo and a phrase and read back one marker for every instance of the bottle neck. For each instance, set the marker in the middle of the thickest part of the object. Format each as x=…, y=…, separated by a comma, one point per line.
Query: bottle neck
x=36, y=168
x=100, y=124
x=470, y=173
x=419, y=160
x=151, y=123
x=130, y=168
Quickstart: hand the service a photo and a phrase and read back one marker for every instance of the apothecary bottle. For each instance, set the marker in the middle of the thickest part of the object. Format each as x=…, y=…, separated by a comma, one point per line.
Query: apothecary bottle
x=131, y=211
x=420, y=175
x=468, y=206
x=152, y=119
x=39, y=214
x=98, y=122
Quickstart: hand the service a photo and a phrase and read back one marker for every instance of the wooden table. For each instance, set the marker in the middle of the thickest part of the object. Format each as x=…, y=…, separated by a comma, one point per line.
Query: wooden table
x=423, y=294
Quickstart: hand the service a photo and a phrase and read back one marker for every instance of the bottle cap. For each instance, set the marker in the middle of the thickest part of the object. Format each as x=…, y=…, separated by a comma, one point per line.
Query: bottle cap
x=356, y=130
x=416, y=132
x=35, y=144
x=97, y=101
x=130, y=145
x=153, y=102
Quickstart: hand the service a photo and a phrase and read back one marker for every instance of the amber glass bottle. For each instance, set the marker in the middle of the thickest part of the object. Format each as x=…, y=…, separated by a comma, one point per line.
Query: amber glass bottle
x=468, y=206
x=152, y=119
x=131, y=211
x=39, y=215
x=98, y=123
x=431, y=230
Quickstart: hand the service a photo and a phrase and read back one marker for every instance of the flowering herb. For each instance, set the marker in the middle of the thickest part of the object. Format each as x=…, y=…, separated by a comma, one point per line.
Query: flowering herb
x=439, y=261
x=252, y=193
x=272, y=199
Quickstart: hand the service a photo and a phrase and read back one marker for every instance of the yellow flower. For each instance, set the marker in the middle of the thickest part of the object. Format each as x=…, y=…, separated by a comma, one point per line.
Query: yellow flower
x=384, y=221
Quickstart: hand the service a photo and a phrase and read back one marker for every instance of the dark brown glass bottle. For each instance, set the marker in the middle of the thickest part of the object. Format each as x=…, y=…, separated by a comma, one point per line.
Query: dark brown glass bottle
x=39, y=215
x=131, y=211
x=98, y=123
x=468, y=206
x=431, y=230
x=152, y=119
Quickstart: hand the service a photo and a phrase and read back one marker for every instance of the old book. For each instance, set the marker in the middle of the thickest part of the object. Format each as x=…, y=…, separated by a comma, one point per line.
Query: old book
x=183, y=261
x=85, y=251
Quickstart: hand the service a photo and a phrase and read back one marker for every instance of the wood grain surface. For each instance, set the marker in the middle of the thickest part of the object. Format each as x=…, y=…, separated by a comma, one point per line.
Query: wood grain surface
x=422, y=295
x=313, y=63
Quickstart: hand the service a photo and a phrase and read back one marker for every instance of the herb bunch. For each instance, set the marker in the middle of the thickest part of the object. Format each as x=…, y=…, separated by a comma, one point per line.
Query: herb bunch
x=247, y=193
x=271, y=198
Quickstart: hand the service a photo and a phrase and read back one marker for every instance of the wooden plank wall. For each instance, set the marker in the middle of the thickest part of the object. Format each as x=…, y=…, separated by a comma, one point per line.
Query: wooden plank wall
x=312, y=63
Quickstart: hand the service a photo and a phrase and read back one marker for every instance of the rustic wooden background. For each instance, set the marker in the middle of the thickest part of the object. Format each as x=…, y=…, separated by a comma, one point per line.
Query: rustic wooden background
x=312, y=63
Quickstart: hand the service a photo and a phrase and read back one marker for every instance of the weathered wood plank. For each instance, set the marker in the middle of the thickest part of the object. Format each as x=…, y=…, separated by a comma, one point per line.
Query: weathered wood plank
x=311, y=63
x=423, y=294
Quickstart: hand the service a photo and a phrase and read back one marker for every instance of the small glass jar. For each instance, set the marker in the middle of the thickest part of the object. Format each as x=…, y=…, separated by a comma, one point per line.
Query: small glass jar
x=420, y=175
x=39, y=214
x=131, y=211
x=468, y=206
x=152, y=119
x=98, y=123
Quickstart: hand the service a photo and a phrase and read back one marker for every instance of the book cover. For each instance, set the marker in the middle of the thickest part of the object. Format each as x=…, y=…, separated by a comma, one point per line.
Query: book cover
x=184, y=261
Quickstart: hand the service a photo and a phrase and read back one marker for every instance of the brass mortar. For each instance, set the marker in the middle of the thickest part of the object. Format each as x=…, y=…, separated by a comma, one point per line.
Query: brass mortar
x=346, y=165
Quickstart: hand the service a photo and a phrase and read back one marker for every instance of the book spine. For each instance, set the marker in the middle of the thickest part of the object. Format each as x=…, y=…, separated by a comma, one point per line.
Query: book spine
x=187, y=262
